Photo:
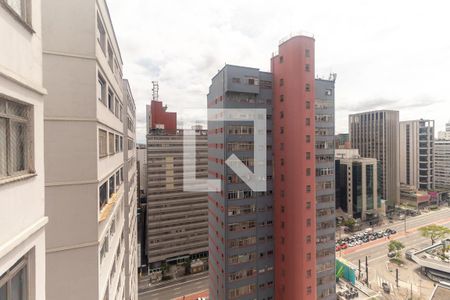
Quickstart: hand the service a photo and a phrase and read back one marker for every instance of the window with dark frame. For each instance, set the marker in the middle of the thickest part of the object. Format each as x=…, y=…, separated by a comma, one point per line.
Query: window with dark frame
x=102, y=143
x=14, y=282
x=21, y=8
x=15, y=139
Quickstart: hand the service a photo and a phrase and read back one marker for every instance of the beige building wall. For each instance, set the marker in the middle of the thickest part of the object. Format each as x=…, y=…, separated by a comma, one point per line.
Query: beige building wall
x=376, y=135
x=22, y=217
x=88, y=170
x=416, y=154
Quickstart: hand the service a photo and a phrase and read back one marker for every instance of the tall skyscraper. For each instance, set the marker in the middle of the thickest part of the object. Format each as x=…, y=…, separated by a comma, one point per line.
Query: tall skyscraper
x=177, y=220
x=241, y=254
x=416, y=154
x=442, y=166
x=376, y=135
x=90, y=164
x=294, y=167
x=325, y=187
x=22, y=217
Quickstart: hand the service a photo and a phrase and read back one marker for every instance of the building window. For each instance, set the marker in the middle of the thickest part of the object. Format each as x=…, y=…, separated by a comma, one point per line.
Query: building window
x=15, y=139
x=308, y=121
x=307, y=68
x=282, y=130
x=308, y=138
x=307, y=53
x=281, y=59
x=308, y=273
x=111, y=101
x=308, y=239
x=235, y=80
x=101, y=89
x=308, y=290
x=111, y=143
x=308, y=171
x=101, y=34
x=307, y=87
x=102, y=143
x=308, y=204
x=110, y=57
x=117, y=141
x=308, y=104
x=281, y=98
x=308, y=155
x=281, y=82
x=14, y=282
x=112, y=187
x=308, y=188
x=282, y=161
x=281, y=114
x=308, y=256
x=328, y=92
x=308, y=222
x=22, y=8
x=103, y=195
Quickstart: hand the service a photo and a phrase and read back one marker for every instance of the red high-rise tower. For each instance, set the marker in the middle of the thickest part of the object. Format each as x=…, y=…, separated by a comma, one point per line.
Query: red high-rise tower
x=294, y=169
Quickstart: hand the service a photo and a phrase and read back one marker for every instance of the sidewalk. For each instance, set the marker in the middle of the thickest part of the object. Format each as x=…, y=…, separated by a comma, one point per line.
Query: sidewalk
x=194, y=296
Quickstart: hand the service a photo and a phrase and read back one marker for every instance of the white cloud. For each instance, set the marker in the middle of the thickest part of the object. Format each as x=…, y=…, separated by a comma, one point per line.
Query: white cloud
x=398, y=51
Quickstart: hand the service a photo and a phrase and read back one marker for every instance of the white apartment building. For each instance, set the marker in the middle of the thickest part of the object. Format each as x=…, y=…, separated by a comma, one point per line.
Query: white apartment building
x=416, y=154
x=22, y=217
x=90, y=181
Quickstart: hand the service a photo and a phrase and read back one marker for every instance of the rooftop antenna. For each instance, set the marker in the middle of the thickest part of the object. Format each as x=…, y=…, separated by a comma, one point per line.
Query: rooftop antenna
x=155, y=90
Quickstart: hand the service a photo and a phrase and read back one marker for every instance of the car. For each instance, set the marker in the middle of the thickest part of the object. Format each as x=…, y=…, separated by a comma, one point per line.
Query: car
x=386, y=287
x=344, y=246
x=391, y=254
x=401, y=217
x=338, y=247
x=393, y=231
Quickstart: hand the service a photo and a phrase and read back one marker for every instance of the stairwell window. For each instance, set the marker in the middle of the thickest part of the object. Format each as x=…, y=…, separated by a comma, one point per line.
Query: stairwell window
x=15, y=139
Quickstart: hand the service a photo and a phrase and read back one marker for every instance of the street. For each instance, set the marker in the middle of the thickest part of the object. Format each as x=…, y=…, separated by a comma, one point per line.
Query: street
x=409, y=275
x=185, y=286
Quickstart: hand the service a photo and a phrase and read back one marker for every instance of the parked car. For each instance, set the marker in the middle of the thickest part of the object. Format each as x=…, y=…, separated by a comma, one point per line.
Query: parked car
x=391, y=254
x=386, y=287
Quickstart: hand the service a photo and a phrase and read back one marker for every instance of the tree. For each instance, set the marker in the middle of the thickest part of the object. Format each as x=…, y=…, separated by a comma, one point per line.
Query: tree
x=395, y=246
x=350, y=223
x=434, y=232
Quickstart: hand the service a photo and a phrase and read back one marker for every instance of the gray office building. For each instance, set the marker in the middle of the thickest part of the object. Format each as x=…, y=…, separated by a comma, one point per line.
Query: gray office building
x=241, y=242
x=177, y=220
x=325, y=187
x=376, y=135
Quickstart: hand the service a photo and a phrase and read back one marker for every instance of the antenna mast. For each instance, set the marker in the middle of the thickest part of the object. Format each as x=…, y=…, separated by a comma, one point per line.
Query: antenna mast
x=155, y=90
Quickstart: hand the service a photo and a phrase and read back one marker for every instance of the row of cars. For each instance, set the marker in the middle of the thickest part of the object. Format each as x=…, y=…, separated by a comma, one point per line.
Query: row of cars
x=363, y=237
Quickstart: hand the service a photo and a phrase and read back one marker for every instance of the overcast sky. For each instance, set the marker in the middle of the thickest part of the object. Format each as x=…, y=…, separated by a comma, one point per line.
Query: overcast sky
x=387, y=54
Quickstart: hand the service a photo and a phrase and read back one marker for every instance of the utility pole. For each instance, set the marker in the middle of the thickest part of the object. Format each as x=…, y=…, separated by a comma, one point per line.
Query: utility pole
x=359, y=269
x=367, y=272
x=396, y=277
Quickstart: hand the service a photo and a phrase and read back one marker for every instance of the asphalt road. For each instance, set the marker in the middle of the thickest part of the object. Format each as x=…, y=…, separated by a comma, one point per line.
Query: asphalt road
x=190, y=286
x=376, y=252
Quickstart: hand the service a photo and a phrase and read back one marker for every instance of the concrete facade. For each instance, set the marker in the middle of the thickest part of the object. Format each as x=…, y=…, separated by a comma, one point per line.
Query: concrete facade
x=22, y=215
x=416, y=154
x=376, y=135
x=325, y=187
x=241, y=249
x=177, y=220
x=357, y=185
x=90, y=154
x=294, y=166
x=442, y=164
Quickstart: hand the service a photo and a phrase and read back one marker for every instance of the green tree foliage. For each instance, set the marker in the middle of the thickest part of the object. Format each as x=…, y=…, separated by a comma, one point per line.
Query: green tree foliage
x=434, y=232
